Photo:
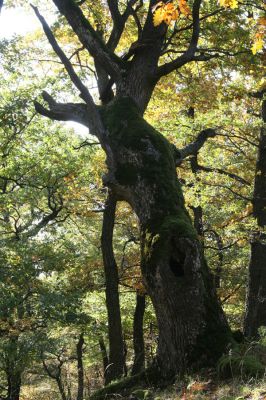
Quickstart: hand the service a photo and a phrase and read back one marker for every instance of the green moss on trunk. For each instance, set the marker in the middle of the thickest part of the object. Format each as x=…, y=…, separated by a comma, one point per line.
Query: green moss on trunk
x=190, y=320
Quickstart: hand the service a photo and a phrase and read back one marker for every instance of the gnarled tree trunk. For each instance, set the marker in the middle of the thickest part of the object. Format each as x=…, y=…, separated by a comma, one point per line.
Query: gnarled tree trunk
x=192, y=327
x=141, y=165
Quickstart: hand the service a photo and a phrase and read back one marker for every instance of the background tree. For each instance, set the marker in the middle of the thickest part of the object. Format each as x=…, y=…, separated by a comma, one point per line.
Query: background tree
x=256, y=296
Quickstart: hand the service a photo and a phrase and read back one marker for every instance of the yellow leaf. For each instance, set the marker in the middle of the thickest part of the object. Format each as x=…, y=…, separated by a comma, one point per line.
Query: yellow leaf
x=164, y=13
x=257, y=45
x=184, y=8
x=158, y=16
x=229, y=3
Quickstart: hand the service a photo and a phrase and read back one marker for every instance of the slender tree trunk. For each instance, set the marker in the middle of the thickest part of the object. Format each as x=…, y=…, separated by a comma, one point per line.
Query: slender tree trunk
x=80, y=367
x=138, y=339
x=61, y=388
x=13, y=370
x=256, y=292
x=125, y=356
x=198, y=223
x=104, y=357
x=192, y=326
x=116, y=348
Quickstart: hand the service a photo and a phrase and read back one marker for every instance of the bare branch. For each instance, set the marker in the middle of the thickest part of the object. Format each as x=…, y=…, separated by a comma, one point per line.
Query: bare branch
x=190, y=52
x=189, y=26
x=194, y=147
x=223, y=172
x=114, y=10
x=86, y=143
x=120, y=20
x=237, y=194
x=77, y=112
x=89, y=37
x=84, y=93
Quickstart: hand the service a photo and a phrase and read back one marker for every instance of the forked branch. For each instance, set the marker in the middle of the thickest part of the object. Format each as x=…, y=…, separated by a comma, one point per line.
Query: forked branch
x=77, y=112
x=193, y=148
x=93, y=121
x=89, y=37
x=84, y=93
x=189, y=54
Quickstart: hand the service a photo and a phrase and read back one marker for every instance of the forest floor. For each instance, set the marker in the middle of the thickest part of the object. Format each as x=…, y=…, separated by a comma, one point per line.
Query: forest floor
x=198, y=389
x=208, y=386
x=193, y=388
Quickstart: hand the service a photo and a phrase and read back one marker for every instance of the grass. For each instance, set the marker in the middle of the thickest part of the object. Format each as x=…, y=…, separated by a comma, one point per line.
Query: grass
x=202, y=389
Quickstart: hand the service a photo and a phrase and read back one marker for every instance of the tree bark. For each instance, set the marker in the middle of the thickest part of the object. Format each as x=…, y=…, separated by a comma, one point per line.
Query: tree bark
x=141, y=171
x=13, y=370
x=61, y=388
x=192, y=326
x=138, y=339
x=116, y=347
x=80, y=367
x=14, y=385
x=256, y=292
x=104, y=357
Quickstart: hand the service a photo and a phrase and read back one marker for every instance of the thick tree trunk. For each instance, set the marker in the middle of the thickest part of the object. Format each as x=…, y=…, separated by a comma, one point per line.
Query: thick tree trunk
x=116, y=347
x=138, y=339
x=192, y=326
x=256, y=292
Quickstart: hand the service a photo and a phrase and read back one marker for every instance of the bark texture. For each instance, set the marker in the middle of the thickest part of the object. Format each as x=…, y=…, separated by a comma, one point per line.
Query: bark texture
x=256, y=293
x=13, y=369
x=105, y=359
x=14, y=385
x=138, y=339
x=80, y=367
x=141, y=171
x=115, y=368
x=192, y=326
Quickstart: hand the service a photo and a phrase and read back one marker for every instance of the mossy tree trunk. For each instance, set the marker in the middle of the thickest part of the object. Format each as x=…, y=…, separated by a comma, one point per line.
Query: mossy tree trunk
x=192, y=327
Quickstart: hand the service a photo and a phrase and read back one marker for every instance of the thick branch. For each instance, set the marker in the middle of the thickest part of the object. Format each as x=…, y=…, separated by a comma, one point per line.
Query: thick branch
x=194, y=147
x=190, y=52
x=85, y=95
x=77, y=112
x=95, y=123
x=119, y=21
x=115, y=13
x=223, y=172
x=88, y=37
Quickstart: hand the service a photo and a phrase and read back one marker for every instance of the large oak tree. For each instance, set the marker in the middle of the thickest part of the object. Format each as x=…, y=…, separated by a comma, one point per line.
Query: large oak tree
x=142, y=164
